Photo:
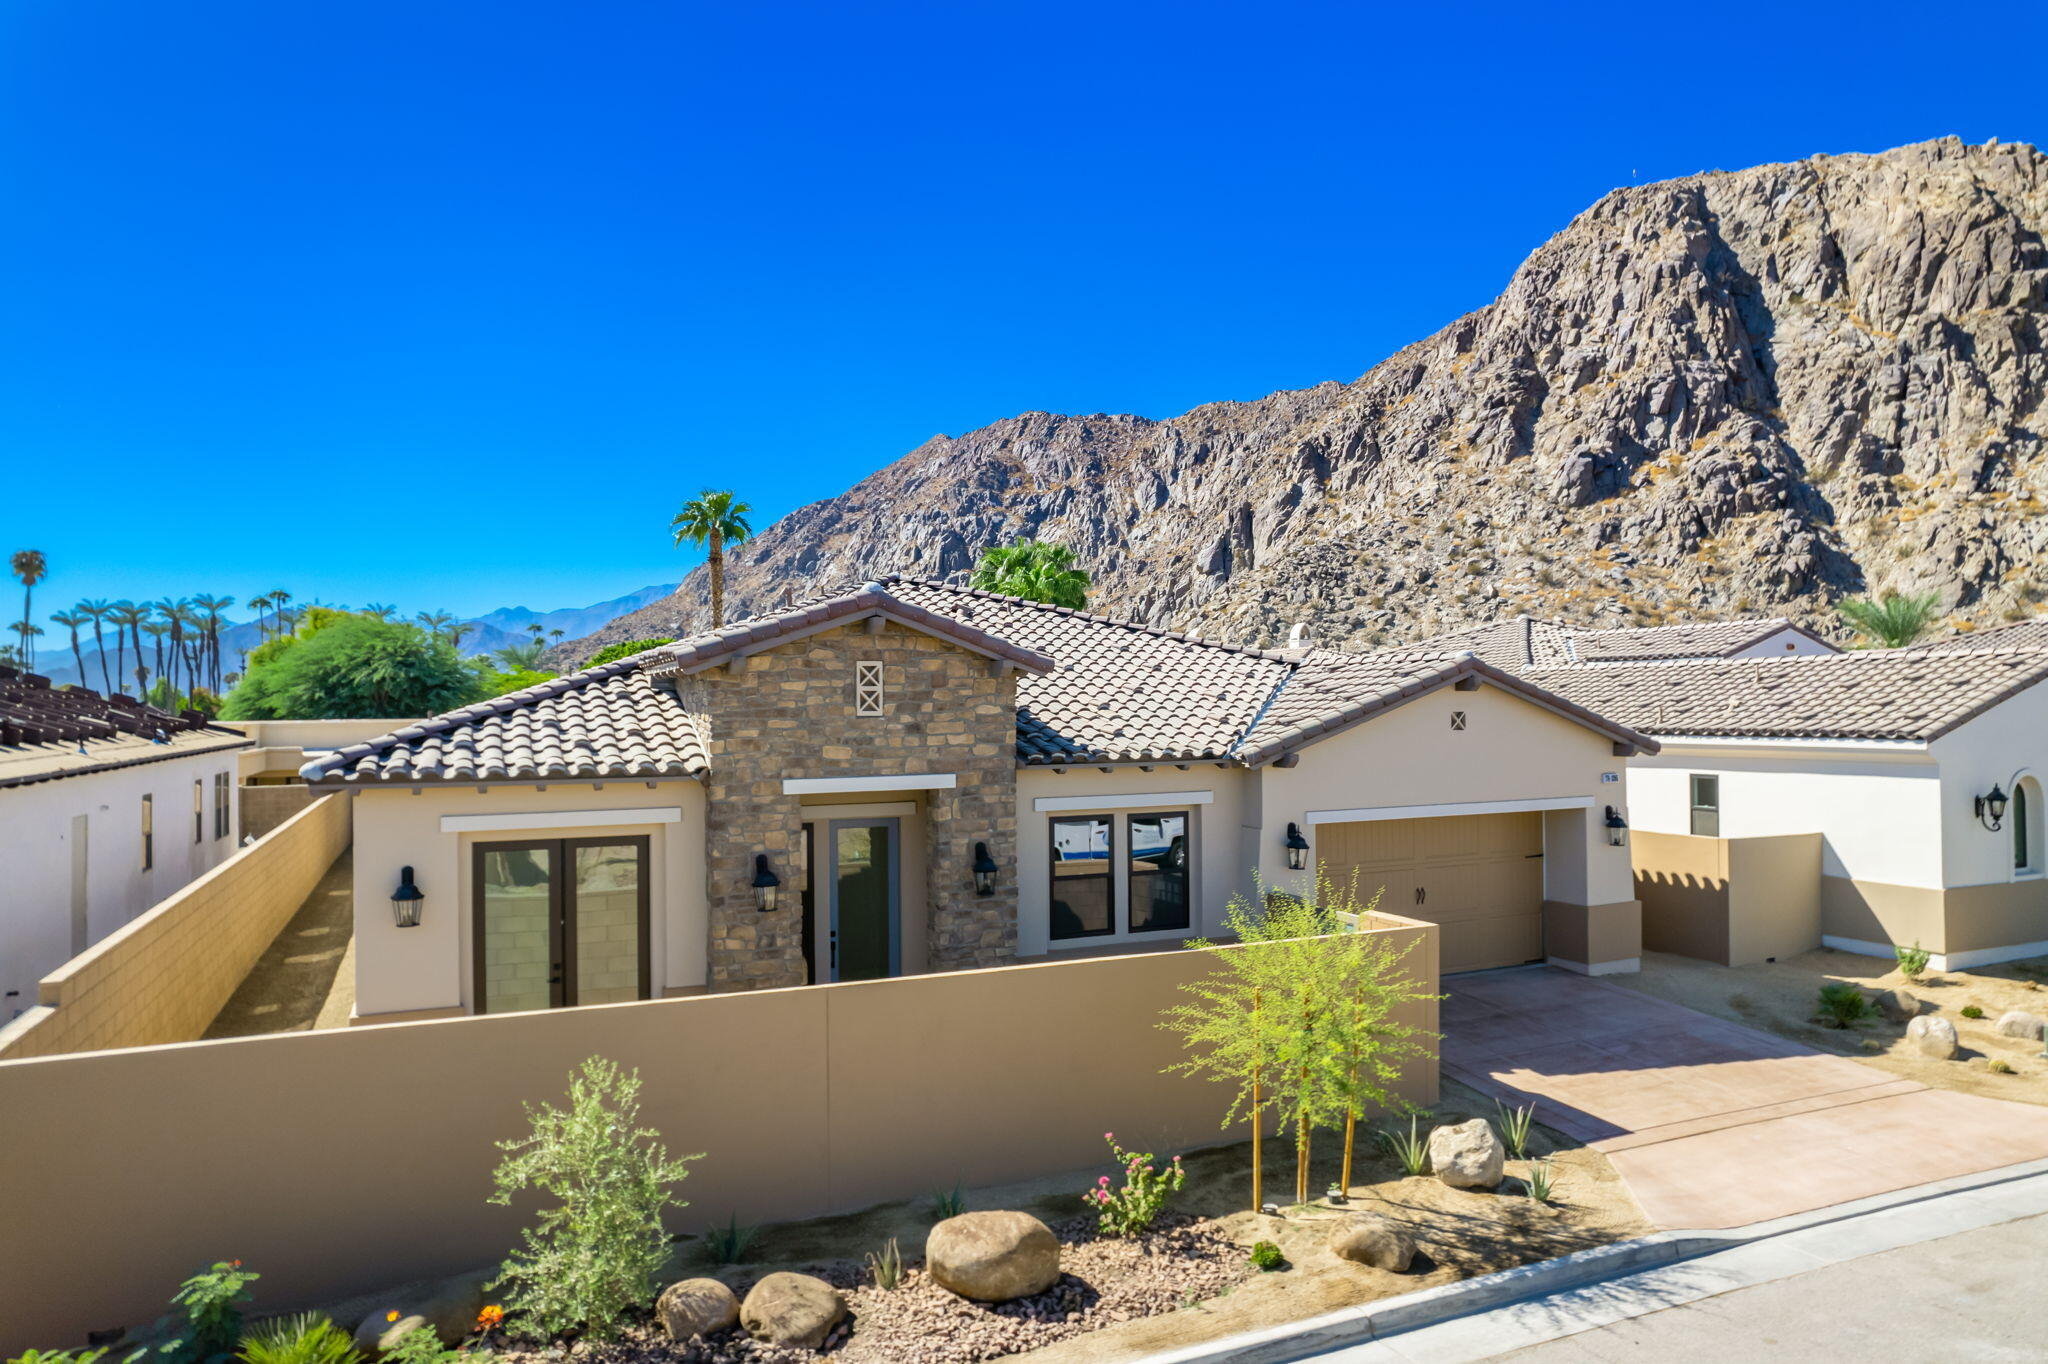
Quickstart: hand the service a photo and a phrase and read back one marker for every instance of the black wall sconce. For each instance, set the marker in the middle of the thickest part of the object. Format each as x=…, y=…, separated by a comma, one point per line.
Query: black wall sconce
x=1297, y=849
x=407, y=901
x=1991, y=808
x=984, y=870
x=1617, y=829
x=765, y=884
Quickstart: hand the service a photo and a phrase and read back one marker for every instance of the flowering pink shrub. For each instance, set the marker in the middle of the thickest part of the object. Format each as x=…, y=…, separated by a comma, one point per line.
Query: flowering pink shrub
x=1130, y=1210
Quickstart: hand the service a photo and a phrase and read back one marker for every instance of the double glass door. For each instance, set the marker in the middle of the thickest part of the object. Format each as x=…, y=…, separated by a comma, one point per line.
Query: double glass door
x=560, y=922
x=861, y=912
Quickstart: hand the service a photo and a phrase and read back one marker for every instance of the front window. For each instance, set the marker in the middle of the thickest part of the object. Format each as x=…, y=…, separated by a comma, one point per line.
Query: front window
x=1159, y=871
x=198, y=810
x=1083, y=902
x=148, y=832
x=1706, y=806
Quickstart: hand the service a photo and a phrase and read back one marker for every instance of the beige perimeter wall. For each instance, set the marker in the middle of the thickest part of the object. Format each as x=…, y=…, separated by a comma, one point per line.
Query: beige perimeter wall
x=345, y=1161
x=162, y=977
x=1736, y=901
x=266, y=807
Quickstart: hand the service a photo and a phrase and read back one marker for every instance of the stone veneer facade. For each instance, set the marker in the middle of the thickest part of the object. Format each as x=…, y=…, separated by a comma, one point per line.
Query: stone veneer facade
x=790, y=711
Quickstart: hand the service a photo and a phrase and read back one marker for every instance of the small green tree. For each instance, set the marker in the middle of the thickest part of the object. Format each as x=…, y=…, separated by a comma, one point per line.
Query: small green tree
x=600, y=1249
x=1034, y=570
x=612, y=653
x=347, y=666
x=1891, y=621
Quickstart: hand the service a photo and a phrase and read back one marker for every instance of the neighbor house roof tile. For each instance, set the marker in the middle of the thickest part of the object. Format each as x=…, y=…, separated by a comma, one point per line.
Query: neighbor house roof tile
x=1522, y=642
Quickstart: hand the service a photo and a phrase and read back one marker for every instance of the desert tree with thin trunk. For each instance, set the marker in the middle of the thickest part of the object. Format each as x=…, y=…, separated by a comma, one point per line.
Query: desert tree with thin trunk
x=714, y=520
x=1891, y=621
x=1301, y=1020
x=97, y=610
x=29, y=567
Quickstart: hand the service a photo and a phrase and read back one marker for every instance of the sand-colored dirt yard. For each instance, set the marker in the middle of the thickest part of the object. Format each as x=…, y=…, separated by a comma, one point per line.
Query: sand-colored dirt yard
x=1782, y=997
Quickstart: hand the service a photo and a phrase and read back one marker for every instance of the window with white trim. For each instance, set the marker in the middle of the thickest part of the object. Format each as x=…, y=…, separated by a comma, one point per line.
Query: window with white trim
x=223, y=792
x=867, y=688
x=1119, y=877
x=1706, y=805
x=198, y=810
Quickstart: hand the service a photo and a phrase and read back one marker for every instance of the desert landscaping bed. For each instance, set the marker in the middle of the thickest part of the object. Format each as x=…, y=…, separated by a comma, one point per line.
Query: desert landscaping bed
x=1780, y=997
x=1186, y=1281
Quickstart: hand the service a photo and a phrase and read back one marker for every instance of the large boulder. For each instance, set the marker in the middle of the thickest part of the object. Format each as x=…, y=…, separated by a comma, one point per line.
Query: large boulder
x=449, y=1306
x=993, y=1256
x=1898, y=1006
x=697, y=1307
x=1468, y=1155
x=2020, y=1023
x=1368, y=1239
x=1934, y=1036
x=795, y=1310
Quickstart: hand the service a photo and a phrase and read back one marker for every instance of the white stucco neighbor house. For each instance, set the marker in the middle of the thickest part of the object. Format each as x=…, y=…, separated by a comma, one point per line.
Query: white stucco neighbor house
x=908, y=776
x=106, y=807
x=1915, y=773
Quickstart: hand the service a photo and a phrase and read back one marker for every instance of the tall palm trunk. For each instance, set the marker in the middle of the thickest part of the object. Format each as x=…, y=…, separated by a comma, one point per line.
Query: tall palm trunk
x=716, y=560
x=99, y=642
x=78, y=653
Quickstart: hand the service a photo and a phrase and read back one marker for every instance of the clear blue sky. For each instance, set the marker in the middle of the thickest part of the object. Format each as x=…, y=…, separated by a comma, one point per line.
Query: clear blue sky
x=448, y=304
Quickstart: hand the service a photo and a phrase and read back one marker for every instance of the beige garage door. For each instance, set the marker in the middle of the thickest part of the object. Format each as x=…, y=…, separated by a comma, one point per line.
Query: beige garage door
x=1480, y=876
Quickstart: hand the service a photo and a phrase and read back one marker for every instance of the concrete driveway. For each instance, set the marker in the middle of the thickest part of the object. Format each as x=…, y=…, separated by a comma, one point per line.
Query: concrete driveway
x=1713, y=1124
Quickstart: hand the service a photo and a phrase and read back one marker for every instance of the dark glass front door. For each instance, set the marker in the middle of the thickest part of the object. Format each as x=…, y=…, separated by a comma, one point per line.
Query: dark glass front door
x=862, y=879
x=559, y=922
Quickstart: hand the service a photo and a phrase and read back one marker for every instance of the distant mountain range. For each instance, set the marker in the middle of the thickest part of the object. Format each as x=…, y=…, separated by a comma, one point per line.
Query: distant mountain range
x=482, y=635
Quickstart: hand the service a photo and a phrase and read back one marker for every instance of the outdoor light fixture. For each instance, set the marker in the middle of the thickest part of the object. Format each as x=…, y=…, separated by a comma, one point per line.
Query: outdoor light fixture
x=765, y=882
x=984, y=870
x=1617, y=829
x=1297, y=849
x=1991, y=808
x=407, y=901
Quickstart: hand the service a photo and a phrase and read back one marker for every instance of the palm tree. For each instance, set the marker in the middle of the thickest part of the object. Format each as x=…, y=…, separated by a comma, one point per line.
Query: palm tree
x=456, y=630
x=212, y=621
x=434, y=622
x=174, y=614
x=527, y=657
x=26, y=631
x=279, y=598
x=30, y=567
x=156, y=630
x=127, y=618
x=379, y=611
x=1888, y=622
x=71, y=620
x=97, y=609
x=260, y=604
x=714, y=520
x=1034, y=570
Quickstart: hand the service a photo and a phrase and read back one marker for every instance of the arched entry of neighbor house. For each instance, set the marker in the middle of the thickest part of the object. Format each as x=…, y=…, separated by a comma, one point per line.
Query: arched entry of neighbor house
x=2026, y=818
x=1479, y=876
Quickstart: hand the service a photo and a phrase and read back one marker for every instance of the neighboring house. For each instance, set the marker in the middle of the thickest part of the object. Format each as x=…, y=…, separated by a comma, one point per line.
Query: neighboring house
x=106, y=807
x=913, y=777
x=1859, y=790
x=1523, y=642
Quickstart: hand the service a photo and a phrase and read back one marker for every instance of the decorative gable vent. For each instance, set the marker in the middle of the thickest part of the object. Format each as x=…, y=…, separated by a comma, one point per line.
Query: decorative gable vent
x=867, y=688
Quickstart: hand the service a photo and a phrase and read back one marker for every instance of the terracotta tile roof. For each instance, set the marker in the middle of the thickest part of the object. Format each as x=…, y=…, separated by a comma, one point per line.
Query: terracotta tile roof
x=1907, y=694
x=1120, y=692
x=610, y=721
x=50, y=732
x=869, y=599
x=1091, y=690
x=1522, y=642
x=1331, y=691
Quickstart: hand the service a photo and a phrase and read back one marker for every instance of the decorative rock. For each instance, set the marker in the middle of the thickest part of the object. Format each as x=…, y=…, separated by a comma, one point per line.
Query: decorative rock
x=1898, y=1006
x=449, y=1306
x=792, y=1309
x=1934, y=1036
x=697, y=1307
x=2019, y=1023
x=1369, y=1239
x=1467, y=1156
x=993, y=1256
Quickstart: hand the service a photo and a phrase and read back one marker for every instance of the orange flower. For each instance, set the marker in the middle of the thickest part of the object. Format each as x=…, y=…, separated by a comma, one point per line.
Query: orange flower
x=489, y=1317
x=392, y=1315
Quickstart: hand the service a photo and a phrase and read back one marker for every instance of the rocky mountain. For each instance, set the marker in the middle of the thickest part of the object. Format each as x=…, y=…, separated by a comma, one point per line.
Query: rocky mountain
x=1733, y=393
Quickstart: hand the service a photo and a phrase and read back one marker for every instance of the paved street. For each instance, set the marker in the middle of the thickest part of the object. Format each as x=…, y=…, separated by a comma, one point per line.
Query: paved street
x=1974, y=1296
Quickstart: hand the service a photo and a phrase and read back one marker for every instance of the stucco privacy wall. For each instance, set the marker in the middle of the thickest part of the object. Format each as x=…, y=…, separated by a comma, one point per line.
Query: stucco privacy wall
x=791, y=711
x=263, y=808
x=1507, y=751
x=1735, y=901
x=43, y=823
x=427, y=969
x=374, y=1160
x=164, y=976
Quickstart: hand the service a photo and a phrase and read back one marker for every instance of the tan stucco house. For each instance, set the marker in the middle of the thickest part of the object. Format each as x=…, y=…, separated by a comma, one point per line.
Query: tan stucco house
x=910, y=777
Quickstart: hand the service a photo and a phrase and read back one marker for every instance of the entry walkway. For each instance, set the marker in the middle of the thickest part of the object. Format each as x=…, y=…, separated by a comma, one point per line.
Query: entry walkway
x=1712, y=1124
x=306, y=978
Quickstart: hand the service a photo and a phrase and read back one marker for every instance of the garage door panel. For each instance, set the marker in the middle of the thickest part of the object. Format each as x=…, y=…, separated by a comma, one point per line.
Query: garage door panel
x=1473, y=874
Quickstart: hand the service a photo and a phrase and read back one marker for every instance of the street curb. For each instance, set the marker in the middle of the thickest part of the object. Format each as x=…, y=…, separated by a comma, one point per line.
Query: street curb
x=1432, y=1306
